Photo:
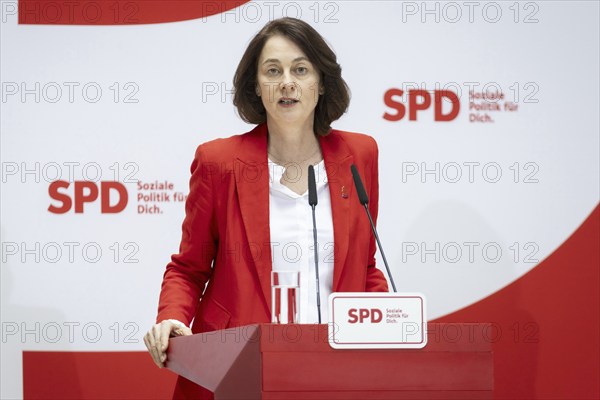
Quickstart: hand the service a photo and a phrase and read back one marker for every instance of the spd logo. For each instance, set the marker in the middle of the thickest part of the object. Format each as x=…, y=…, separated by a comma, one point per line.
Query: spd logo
x=421, y=100
x=360, y=315
x=77, y=194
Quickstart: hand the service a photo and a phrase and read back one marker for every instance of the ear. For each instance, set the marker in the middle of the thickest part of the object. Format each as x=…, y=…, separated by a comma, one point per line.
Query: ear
x=257, y=90
x=321, y=90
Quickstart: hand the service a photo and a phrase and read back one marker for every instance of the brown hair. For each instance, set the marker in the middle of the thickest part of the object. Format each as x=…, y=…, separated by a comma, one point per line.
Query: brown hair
x=331, y=104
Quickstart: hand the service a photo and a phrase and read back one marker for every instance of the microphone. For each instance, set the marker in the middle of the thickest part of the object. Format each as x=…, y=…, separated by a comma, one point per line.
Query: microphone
x=312, y=187
x=312, y=201
x=364, y=200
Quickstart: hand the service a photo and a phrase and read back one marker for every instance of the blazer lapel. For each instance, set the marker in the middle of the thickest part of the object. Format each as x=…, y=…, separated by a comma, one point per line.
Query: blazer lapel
x=252, y=183
x=337, y=164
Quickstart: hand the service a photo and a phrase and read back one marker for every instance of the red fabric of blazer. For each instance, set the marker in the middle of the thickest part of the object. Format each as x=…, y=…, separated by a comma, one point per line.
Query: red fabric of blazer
x=226, y=234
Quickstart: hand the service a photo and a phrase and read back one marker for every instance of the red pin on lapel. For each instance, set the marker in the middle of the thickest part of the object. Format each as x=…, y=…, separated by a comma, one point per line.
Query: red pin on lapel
x=344, y=193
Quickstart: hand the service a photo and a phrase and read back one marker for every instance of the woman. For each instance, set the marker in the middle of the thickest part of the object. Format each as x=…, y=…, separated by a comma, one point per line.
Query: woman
x=248, y=205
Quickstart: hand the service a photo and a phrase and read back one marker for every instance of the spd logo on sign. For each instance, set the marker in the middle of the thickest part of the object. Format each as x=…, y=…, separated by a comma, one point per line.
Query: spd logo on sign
x=377, y=321
x=362, y=315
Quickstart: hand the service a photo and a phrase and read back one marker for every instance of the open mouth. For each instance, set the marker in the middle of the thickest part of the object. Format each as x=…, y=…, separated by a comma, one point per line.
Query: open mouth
x=287, y=101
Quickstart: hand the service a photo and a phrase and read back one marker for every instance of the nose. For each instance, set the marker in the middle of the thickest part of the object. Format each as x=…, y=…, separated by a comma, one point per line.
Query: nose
x=289, y=88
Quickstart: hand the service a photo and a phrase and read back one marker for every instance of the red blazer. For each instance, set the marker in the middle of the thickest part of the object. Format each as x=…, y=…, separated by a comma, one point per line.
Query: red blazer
x=226, y=231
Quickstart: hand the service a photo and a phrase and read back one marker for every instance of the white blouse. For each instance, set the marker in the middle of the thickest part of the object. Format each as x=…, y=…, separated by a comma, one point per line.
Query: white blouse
x=292, y=245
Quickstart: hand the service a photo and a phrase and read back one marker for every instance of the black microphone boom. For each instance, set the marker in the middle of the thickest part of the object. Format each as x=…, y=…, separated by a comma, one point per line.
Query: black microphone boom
x=364, y=200
x=312, y=201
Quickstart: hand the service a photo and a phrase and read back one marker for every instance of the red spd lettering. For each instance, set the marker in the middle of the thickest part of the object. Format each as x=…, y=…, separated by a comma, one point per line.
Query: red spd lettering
x=361, y=315
x=87, y=192
x=420, y=100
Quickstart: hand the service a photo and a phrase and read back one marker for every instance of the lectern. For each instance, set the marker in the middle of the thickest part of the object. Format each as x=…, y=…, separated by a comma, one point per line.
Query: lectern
x=267, y=361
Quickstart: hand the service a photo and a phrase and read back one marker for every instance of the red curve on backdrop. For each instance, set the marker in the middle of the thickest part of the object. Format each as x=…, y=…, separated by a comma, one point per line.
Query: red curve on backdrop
x=119, y=12
x=547, y=322
x=546, y=345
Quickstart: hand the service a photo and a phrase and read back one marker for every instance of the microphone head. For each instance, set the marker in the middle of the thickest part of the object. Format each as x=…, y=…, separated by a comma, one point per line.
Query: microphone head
x=360, y=189
x=312, y=186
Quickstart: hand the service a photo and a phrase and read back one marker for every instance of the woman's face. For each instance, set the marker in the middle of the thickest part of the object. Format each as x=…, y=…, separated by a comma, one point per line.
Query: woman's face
x=288, y=83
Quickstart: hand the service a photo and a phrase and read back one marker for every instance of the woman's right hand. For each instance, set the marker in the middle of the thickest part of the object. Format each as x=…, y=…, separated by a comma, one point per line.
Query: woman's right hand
x=157, y=339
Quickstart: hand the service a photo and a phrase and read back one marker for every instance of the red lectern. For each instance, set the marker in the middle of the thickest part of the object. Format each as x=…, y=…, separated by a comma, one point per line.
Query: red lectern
x=296, y=362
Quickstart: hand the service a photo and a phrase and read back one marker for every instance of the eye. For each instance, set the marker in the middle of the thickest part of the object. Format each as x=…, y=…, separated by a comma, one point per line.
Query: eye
x=301, y=70
x=272, y=71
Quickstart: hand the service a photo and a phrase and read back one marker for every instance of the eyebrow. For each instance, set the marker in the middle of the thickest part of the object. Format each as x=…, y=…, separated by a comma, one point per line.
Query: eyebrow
x=275, y=60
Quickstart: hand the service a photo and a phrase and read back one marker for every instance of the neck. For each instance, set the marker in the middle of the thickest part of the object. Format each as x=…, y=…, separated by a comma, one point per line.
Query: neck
x=292, y=144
